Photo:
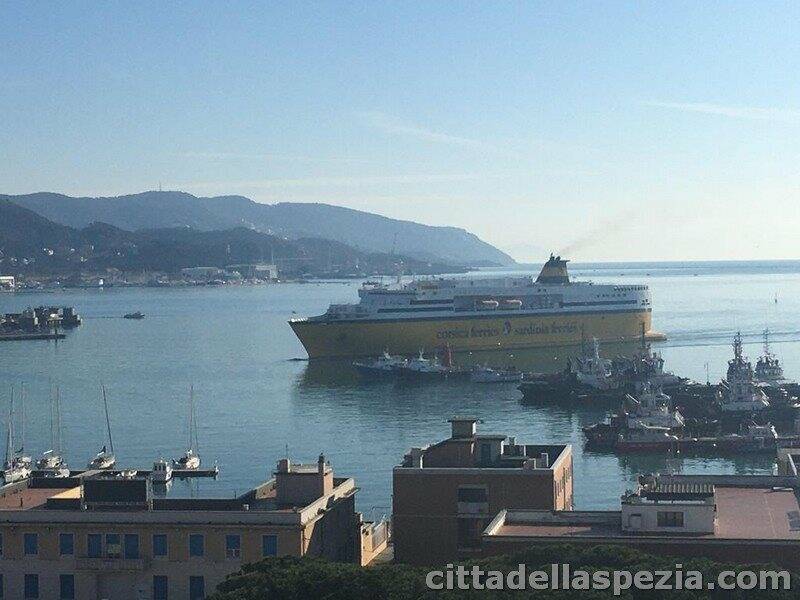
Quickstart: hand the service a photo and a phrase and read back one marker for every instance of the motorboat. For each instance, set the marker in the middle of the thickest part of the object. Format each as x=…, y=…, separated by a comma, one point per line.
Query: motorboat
x=486, y=374
x=385, y=364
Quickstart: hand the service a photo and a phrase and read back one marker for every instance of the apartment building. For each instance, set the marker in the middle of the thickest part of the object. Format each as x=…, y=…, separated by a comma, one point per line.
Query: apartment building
x=742, y=519
x=119, y=536
x=444, y=495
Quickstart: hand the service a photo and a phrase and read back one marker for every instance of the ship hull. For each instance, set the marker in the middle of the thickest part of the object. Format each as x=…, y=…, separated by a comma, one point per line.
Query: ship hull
x=343, y=339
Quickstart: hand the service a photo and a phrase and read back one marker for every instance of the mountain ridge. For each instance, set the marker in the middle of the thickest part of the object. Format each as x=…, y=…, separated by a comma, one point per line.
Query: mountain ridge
x=363, y=230
x=31, y=243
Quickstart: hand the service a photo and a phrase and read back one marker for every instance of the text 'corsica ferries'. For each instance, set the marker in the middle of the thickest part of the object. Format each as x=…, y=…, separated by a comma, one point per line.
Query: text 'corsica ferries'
x=478, y=314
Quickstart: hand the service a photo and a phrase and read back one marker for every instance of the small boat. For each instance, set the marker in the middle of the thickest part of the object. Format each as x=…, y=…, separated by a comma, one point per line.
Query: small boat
x=190, y=461
x=105, y=459
x=162, y=471
x=386, y=364
x=424, y=367
x=486, y=374
x=134, y=315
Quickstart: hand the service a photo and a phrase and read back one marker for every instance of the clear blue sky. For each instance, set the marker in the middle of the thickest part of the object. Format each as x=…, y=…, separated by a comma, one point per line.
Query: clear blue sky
x=663, y=130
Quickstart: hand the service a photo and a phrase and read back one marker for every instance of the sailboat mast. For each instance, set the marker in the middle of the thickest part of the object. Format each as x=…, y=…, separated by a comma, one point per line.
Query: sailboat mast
x=10, y=430
x=59, y=439
x=108, y=421
x=22, y=423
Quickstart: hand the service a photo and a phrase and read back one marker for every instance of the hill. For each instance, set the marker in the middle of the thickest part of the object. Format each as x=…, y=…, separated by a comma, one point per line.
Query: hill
x=30, y=243
x=363, y=230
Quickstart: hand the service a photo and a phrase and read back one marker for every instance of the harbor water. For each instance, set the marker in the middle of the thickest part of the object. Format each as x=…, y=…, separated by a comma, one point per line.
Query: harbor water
x=256, y=402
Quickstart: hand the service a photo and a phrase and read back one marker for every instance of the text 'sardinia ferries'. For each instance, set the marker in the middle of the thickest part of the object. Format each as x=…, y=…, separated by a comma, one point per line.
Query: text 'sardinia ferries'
x=478, y=314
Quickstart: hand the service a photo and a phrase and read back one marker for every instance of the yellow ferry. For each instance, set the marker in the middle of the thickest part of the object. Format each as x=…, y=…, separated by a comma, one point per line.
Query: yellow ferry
x=472, y=314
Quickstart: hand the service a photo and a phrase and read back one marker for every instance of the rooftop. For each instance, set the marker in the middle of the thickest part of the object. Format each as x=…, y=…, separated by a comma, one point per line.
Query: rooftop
x=466, y=449
x=293, y=490
x=743, y=513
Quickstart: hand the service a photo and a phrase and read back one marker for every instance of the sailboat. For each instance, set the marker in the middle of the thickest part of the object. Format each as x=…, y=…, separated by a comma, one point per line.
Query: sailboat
x=52, y=462
x=15, y=467
x=190, y=459
x=105, y=459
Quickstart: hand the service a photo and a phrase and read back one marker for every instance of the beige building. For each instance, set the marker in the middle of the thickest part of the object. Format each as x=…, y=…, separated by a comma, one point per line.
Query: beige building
x=728, y=518
x=102, y=535
x=444, y=495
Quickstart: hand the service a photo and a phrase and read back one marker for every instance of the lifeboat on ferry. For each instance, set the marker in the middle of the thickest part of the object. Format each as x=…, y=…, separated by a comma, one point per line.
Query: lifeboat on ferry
x=487, y=305
x=511, y=304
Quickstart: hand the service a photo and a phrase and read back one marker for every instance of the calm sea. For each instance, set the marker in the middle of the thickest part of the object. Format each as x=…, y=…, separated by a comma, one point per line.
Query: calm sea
x=254, y=401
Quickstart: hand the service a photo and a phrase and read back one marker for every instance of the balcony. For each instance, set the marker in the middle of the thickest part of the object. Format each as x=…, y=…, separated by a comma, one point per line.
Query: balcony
x=84, y=563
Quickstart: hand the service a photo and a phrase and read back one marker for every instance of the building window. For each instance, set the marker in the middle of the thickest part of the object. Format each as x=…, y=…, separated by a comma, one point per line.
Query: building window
x=196, y=544
x=197, y=587
x=159, y=544
x=469, y=533
x=269, y=545
x=30, y=543
x=113, y=548
x=670, y=519
x=66, y=544
x=1, y=551
x=131, y=545
x=233, y=545
x=66, y=584
x=94, y=545
x=472, y=494
x=486, y=452
x=2, y=587
x=160, y=587
x=31, y=587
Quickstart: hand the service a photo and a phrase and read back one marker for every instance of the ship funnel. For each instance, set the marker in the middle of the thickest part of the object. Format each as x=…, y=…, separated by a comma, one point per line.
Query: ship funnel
x=554, y=271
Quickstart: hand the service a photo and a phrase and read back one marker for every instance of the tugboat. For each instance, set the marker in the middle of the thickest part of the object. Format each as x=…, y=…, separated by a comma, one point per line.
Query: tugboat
x=486, y=374
x=738, y=393
x=768, y=368
x=16, y=467
x=386, y=364
x=51, y=463
x=105, y=459
x=646, y=439
x=651, y=408
x=593, y=371
x=648, y=366
x=190, y=460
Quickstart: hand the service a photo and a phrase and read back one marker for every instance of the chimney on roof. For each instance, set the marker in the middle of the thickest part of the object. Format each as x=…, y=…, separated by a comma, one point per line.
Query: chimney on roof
x=416, y=458
x=321, y=464
x=544, y=460
x=463, y=427
x=284, y=465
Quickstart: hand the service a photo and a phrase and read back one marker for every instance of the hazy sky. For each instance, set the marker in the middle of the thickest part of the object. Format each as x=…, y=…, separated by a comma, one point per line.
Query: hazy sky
x=634, y=130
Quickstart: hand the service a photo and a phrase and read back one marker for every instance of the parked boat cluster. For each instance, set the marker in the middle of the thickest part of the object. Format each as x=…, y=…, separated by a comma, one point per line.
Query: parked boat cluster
x=42, y=322
x=18, y=466
x=751, y=410
x=434, y=367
